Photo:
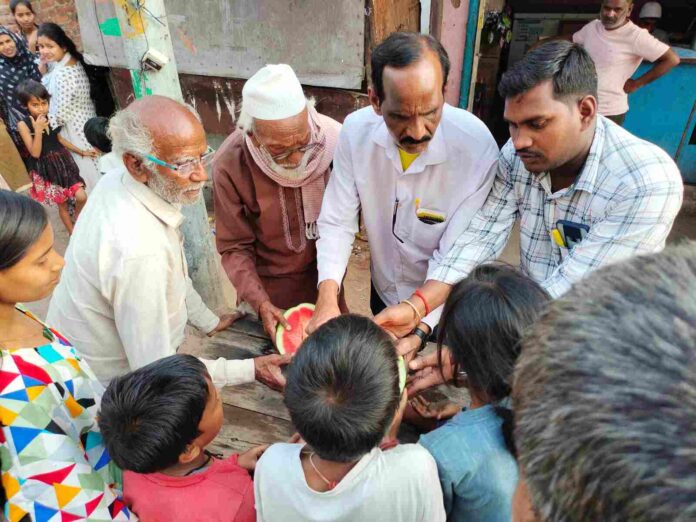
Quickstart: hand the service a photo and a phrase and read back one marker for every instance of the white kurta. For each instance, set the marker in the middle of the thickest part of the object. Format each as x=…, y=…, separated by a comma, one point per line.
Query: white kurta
x=125, y=295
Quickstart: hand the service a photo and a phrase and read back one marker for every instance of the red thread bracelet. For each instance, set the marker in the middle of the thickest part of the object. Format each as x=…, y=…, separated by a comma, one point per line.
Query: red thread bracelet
x=420, y=296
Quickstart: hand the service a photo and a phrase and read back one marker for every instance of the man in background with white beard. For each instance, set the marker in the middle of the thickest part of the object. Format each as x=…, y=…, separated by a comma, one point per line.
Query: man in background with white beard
x=270, y=175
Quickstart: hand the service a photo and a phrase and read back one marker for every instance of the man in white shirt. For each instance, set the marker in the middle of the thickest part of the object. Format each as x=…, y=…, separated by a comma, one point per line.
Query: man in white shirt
x=418, y=168
x=125, y=294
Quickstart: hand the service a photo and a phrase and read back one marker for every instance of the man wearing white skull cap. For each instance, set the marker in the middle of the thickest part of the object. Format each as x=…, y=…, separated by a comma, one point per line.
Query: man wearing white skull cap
x=648, y=18
x=270, y=175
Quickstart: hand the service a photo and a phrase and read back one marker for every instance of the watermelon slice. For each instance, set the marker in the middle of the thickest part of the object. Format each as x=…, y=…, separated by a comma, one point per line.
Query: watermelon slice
x=288, y=341
x=402, y=373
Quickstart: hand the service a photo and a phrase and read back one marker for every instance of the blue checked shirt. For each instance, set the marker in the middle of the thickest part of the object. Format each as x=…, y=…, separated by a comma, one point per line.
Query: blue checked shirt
x=628, y=192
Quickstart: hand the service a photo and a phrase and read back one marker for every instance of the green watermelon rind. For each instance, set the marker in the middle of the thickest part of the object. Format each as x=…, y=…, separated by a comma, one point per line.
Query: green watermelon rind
x=402, y=373
x=280, y=329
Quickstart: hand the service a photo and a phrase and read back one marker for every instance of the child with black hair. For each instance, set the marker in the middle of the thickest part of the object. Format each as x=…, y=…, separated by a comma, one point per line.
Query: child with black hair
x=54, y=174
x=343, y=392
x=482, y=325
x=97, y=134
x=25, y=17
x=156, y=423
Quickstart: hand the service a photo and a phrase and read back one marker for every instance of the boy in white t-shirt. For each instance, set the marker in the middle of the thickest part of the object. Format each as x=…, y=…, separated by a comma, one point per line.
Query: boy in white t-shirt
x=343, y=392
x=617, y=47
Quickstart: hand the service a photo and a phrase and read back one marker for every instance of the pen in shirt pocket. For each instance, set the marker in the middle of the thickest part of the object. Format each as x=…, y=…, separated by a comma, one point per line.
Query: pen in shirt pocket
x=427, y=216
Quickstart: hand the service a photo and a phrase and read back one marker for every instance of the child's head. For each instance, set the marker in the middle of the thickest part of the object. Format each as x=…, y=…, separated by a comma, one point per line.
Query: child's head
x=160, y=415
x=29, y=266
x=343, y=388
x=34, y=96
x=96, y=133
x=23, y=14
x=482, y=324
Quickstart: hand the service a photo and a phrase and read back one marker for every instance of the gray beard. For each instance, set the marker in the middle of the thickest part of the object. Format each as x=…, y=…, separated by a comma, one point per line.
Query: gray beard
x=169, y=191
x=297, y=172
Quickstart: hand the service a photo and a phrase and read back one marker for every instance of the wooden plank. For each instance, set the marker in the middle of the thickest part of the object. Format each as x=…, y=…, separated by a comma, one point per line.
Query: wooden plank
x=234, y=345
x=256, y=397
x=250, y=326
x=243, y=429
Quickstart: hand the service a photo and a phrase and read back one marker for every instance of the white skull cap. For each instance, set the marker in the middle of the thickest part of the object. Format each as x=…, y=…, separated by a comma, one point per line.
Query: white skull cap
x=273, y=93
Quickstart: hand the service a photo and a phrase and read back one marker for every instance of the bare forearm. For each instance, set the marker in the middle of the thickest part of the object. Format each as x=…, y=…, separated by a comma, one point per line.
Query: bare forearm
x=37, y=145
x=668, y=61
x=435, y=292
x=68, y=145
x=328, y=292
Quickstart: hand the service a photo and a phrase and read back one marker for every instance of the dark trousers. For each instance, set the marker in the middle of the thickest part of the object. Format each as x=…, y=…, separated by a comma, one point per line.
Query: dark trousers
x=618, y=119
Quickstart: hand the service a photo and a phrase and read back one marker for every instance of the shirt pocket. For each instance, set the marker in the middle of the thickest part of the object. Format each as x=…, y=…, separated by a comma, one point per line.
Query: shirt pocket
x=426, y=236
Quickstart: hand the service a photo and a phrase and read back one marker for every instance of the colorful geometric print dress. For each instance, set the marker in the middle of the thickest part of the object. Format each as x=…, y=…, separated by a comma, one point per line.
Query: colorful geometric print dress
x=55, y=467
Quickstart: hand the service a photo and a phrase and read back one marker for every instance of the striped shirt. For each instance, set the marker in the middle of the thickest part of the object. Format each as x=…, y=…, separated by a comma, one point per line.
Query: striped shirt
x=628, y=193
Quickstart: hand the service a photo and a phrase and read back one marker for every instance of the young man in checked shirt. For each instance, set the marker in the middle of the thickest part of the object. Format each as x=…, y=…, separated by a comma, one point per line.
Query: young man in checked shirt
x=614, y=194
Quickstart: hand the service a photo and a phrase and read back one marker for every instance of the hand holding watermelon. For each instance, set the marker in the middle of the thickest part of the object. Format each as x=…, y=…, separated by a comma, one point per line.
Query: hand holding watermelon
x=288, y=340
x=271, y=316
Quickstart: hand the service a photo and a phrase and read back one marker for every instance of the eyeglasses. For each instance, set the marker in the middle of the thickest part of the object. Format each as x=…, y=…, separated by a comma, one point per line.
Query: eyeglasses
x=289, y=152
x=186, y=169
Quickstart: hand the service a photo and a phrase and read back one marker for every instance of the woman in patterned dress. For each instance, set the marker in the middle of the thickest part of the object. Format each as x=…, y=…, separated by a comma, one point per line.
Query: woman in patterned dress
x=71, y=102
x=53, y=459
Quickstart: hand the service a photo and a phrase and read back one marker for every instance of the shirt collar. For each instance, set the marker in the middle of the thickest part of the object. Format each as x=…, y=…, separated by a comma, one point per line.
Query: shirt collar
x=167, y=212
x=587, y=179
x=435, y=153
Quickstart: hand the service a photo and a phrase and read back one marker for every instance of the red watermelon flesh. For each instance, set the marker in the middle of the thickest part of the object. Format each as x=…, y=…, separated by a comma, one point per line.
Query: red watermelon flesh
x=288, y=341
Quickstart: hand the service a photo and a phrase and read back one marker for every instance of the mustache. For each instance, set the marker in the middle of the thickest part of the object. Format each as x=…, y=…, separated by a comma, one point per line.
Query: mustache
x=410, y=141
x=529, y=152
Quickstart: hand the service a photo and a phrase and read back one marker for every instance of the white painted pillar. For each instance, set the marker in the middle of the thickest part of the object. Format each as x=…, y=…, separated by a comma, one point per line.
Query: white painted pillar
x=144, y=26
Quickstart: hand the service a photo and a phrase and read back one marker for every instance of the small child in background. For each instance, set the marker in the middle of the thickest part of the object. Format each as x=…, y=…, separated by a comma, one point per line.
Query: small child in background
x=97, y=133
x=156, y=423
x=482, y=324
x=54, y=174
x=343, y=392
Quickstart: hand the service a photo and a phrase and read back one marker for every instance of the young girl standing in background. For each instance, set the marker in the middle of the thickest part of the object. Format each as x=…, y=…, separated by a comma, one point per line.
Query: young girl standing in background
x=25, y=17
x=55, y=176
x=71, y=102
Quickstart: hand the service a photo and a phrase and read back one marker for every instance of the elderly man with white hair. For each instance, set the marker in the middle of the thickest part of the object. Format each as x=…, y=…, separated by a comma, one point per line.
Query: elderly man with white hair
x=269, y=177
x=125, y=294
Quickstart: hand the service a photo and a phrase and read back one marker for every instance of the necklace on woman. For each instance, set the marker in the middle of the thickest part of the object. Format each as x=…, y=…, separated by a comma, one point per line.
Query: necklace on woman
x=330, y=483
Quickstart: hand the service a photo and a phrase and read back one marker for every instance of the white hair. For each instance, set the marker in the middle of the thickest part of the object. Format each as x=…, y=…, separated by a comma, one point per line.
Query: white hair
x=246, y=122
x=130, y=135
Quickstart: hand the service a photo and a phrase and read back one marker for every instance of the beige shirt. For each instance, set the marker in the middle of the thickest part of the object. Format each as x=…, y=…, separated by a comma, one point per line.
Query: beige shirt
x=125, y=296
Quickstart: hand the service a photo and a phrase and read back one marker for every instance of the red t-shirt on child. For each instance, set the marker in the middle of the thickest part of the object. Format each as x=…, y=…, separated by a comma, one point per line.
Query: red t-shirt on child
x=223, y=492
